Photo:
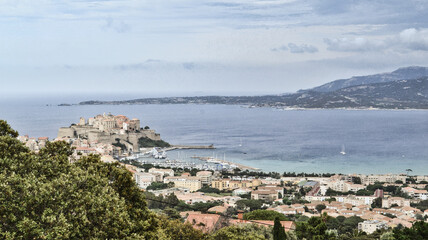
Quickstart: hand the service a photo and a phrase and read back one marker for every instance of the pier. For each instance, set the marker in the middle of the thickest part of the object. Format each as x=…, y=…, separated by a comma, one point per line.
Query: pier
x=175, y=147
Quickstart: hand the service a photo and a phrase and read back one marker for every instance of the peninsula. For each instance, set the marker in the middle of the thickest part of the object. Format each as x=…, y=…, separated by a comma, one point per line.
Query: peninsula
x=405, y=88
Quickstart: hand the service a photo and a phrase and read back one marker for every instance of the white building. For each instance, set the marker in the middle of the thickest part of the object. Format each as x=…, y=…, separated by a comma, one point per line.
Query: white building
x=143, y=179
x=370, y=227
x=416, y=193
x=206, y=177
x=399, y=201
x=163, y=172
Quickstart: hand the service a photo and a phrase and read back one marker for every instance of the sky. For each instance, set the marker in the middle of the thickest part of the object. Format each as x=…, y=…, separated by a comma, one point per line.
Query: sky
x=202, y=47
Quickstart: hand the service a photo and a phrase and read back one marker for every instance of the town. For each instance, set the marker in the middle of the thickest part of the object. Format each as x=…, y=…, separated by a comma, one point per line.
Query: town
x=373, y=202
x=210, y=198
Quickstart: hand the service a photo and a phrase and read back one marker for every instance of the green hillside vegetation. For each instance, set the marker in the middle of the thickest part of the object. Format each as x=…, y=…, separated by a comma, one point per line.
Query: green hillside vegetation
x=145, y=142
x=45, y=196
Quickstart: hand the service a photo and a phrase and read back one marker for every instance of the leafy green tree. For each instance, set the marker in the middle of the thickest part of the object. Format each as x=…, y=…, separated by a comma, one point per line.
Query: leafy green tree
x=278, y=231
x=320, y=207
x=243, y=232
x=302, y=218
x=333, y=223
x=356, y=180
x=148, y=142
x=208, y=189
x=377, y=203
x=422, y=205
x=350, y=224
x=387, y=236
x=341, y=219
x=203, y=207
x=171, y=213
x=6, y=130
x=419, y=231
x=249, y=203
x=364, y=192
x=314, y=228
x=265, y=215
x=49, y=195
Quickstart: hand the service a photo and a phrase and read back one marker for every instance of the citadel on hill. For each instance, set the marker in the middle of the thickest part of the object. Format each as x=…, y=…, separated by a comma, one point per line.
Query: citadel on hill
x=110, y=129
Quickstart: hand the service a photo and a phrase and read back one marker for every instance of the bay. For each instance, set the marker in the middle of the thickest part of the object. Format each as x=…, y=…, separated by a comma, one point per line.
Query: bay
x=381, y=141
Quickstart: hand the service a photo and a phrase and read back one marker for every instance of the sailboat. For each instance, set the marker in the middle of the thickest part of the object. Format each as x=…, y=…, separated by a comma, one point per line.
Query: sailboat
x=343, y=150
x=240, y=143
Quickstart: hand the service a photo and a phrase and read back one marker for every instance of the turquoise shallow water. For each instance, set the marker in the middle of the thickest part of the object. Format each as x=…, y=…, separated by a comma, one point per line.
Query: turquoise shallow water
x=303, y=141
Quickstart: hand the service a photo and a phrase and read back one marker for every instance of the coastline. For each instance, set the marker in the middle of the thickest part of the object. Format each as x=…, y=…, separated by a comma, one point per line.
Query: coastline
x=251, y=106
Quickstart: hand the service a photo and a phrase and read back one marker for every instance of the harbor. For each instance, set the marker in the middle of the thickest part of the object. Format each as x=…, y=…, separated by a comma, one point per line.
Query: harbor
x=162, y=157
x=224, y=162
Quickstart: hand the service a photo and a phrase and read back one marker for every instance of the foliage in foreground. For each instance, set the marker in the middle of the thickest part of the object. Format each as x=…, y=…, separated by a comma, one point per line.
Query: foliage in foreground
x=244, y=232
x=45, y=196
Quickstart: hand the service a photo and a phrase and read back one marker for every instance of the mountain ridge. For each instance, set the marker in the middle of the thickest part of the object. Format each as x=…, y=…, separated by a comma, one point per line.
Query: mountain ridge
x=411, y=72
x=381, y=91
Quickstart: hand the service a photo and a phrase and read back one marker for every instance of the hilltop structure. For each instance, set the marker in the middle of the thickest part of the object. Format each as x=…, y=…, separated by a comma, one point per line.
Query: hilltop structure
x=117, y=130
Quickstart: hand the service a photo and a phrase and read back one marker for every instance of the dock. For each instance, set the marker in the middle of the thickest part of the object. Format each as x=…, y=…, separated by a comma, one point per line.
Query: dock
x=175, y=147
x=240, y=166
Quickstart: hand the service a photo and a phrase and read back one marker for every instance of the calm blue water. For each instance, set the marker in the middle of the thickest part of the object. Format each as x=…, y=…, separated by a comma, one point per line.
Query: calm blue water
x=273, y=140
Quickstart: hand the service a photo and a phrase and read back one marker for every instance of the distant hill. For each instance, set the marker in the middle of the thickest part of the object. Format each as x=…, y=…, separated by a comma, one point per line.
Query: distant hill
x=399, y=94
x=399, y=74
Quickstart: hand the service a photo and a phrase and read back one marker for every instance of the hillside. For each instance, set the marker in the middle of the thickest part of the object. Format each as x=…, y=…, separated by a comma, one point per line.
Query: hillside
x=400, y=94
x=399, y=74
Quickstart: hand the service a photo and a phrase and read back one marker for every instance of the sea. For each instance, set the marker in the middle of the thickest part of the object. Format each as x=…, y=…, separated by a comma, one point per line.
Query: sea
x=375, y=141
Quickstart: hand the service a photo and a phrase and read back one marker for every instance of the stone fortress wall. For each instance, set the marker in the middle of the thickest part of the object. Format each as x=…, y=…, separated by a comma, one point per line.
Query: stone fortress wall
x=107, y=129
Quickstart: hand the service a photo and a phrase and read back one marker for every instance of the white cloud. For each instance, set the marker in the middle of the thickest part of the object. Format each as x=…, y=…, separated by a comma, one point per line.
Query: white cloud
x=414, y=39
x=410, y=39
x=359, y=44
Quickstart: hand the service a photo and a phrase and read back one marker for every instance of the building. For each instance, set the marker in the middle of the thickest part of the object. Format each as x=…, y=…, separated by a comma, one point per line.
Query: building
x=206, y=177
x=144, y=180
x=84, y=151
x=163, y=172
x=279, y=190
x=399, y=201
x=191, y=183
x=241, y=191
x=370, y=227
x=204, y=222
x=422, y=178
x=109, y=129
x=267, y=195
x=227, y=183
x=416, y=193
x=384, y=178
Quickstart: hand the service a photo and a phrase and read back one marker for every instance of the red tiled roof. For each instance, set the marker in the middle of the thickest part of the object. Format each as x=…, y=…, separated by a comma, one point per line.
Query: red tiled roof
x=204, y=222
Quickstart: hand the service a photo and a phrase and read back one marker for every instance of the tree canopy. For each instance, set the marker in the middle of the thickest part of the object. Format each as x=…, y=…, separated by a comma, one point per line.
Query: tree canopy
x=261, y=214
x=45, y=195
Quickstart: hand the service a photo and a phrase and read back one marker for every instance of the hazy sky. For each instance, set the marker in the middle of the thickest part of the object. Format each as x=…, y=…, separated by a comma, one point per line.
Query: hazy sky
x=198, y=47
